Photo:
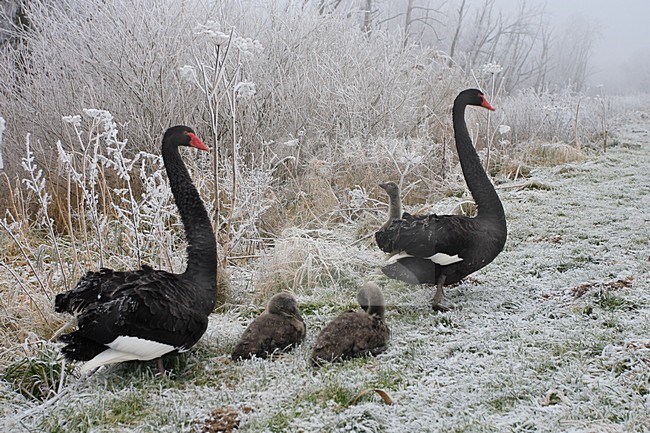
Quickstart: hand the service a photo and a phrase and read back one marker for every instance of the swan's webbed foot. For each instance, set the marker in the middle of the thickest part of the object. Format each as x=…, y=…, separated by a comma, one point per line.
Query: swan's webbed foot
x=440, y=308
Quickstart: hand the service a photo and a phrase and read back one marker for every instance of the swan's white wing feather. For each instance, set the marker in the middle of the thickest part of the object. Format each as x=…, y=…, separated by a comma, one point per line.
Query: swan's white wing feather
x=441, y=259
x=127, y=348
x=444, y=259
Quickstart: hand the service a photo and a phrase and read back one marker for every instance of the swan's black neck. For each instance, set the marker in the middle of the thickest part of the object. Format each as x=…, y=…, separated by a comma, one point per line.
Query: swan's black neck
x=201, y=243
x=483, y=192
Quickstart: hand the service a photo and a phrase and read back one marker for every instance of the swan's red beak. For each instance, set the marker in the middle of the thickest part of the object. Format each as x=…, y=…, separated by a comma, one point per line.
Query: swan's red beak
x=486, y=104
x=196, y=142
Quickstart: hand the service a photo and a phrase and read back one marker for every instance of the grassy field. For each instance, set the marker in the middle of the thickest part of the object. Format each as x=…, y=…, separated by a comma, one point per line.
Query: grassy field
x=553, y=336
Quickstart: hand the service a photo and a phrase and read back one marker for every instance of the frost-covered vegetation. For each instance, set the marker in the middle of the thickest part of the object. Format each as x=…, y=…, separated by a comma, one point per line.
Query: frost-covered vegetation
x=307, y=106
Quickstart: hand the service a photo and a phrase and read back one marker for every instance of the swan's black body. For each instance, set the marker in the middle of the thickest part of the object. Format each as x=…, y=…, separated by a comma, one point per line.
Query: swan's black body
x=355, y=333
x=147, y=313
x=278, y=329
x=443, y=249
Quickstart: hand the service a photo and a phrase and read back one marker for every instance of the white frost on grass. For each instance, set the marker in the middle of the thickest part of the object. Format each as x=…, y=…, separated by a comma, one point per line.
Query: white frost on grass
x=550, y=337
x=2, y=130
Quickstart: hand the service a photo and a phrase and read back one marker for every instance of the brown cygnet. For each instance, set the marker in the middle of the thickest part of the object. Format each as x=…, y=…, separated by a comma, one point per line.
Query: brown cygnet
x=355, y=333
x=280, y=328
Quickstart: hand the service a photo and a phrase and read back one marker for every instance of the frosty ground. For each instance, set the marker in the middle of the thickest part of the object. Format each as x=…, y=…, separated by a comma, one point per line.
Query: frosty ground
x=553, y=336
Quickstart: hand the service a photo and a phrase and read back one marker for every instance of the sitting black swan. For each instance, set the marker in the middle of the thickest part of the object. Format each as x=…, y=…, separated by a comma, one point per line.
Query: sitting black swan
x=355, y=333
x=443, y=249
x=146, y=313
x=394, y=203
x=279, y=328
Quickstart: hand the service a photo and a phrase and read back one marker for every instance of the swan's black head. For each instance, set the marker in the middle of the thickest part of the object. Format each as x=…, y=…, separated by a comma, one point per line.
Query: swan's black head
x=183, y=136
x=474, y=97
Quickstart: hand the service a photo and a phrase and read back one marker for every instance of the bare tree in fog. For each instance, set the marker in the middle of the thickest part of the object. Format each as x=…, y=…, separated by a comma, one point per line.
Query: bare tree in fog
x=572, y=51
x=533, y=52
x=327, y=6
x=454, y=40
x=427, y=18
x=367, y=17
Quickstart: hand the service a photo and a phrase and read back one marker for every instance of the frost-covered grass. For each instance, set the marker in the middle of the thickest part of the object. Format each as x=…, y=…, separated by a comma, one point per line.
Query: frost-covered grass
x=554, y=335
x=291, y=82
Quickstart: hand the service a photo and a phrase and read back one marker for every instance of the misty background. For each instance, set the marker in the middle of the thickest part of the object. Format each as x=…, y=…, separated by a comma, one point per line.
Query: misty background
x=595, y=46
x=317, y=70
x=620, y=58
x=610, y=37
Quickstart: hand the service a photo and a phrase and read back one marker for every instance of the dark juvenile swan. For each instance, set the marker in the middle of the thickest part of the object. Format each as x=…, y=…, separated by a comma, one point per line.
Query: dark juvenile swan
x=146, y=313
x=443, y=249
x=279, y=328
x=355, y=333
x=394, y=203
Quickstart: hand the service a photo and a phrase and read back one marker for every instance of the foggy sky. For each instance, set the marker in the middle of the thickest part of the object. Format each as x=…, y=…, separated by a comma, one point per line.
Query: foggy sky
x=621, y=53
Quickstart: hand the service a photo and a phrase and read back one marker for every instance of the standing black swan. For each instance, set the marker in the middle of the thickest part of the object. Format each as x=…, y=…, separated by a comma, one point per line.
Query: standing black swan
x=394, y=203
x=147, y=313
x=279, y=328
x=355, y=333
x=443, y=249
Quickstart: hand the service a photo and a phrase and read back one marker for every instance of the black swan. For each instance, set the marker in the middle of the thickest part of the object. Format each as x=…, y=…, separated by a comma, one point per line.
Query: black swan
x=394, y=203
x=279, y=328
x=443, y=249
x=146, y=313
x=355, y=333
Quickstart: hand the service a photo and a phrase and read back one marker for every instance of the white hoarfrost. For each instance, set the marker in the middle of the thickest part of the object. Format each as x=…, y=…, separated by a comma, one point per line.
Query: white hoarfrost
x=492, y=68
x=188, y=73
x=550, y=337
x=245, y=90
x=212, y=29
x=2, y=130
